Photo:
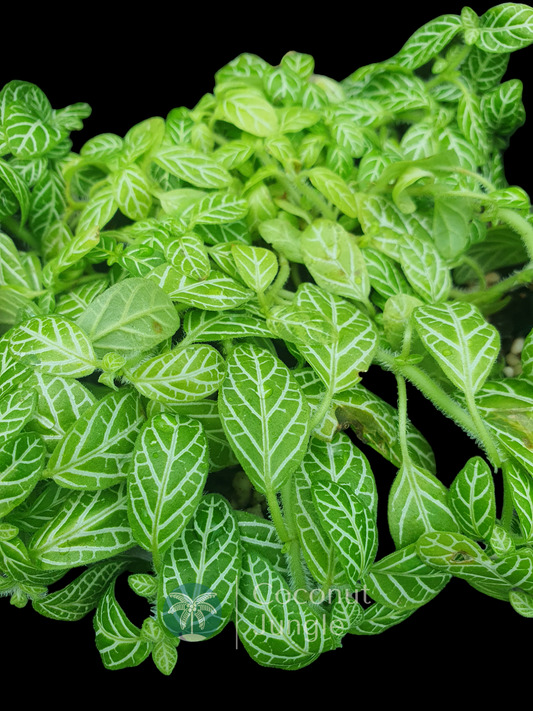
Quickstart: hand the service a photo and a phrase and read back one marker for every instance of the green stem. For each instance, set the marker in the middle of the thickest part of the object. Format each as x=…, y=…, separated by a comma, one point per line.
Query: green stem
x=276, y=516
x=316, y=199
x=474, y=266
x=482, y=430
x=402, y=418
x=20, y=232
x=520, y=225
x=293, y=549
x=295, y=274
x=283, y=275
x=524, y=276
x=323, y=408
x=430, y=389
x=508, y=503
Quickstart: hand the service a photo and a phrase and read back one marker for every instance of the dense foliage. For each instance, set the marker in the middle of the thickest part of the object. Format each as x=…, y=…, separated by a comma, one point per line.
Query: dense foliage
x=196, y=303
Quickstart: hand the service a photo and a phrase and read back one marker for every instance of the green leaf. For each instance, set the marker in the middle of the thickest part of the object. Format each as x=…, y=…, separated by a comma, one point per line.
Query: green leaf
x=18, y=187
x=103, y=146
x=425, y=269
x=132, y=192
x=82, y=595
x=91, y=526
x=506, y=28
x=189, y=255
x=16, y=409
x=205, y=326
x=301, y=64
x=269, y=448
x=54, y=345
x=207, y=553
x=183, y=376
x=12, y=373
x=502, y=107
x=334, y=189
x=48, y=203
x=378, y=618
x=249, y=111
x=418, y=503
x=350, y=525
x=335, y=261
x=218, y=292
x=130, y=316
x=451, y=226
x=375, y=423
x=144, y=136
x=506, y=408
x=284, y=237
x=193, y=166
x=99, y=210
x=28, y=134
x=385, y=276
x=29, y=517
x=259, y=534
x=342, y=463
x=164, y=654
x=61, y=402
x=521, y=602
x=75, y=302
x=117, y=639
x=338, y=364
x=257, y=266
x=21, y=463
x=96, y=451
x=15, y=561
x=295, y=118
x=428, y=41
x=166, y=480
x=460, y=556
x=484, y=68
x=12, y=271
x=233, y=154
x=521, y=485
x=345, y=614
x=401, y=581
x=471, y=123
x=472, y=499
x=314, y=391
x=218, y=209
x=396, y=316
x=461, y=341
x=301, y=326
x=286, y=634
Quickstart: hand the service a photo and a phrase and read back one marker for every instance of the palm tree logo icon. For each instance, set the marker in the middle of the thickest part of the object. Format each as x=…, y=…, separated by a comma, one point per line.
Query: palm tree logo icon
x=192, y=608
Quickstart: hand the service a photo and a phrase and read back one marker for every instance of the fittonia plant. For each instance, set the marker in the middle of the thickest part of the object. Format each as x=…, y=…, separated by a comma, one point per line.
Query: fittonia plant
x=197, y=302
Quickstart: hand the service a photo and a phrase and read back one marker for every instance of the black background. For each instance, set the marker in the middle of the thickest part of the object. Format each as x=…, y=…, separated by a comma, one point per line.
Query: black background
x=144, y=63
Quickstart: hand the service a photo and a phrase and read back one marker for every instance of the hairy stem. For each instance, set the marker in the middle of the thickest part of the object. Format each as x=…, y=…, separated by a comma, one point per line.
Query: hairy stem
x=430, y=389
x=316, y=199
x=479, y=298
x=478, y=271
x=482, y=430
x=277, y=516
x=323, y=408
x=293, y=549
x=402, y=418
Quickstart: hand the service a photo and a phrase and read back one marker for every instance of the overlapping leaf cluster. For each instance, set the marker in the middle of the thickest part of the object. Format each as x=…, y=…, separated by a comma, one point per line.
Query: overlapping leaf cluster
x=196, y=302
